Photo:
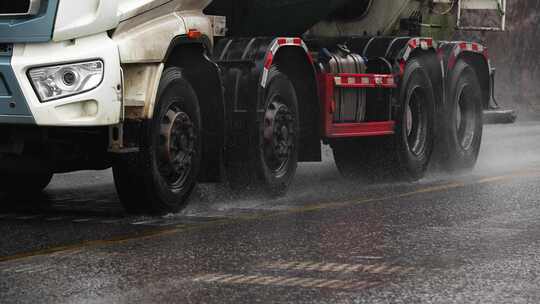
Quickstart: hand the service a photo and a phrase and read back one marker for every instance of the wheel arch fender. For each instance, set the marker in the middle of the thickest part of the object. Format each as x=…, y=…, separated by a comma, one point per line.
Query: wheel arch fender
x=425, y=50
x=476, y=55
x=292, y=56
x=160, y=31
x=193, y=57
x=245, y=64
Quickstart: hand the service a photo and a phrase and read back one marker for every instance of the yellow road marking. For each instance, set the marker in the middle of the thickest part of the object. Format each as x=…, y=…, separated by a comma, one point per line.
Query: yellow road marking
x=305, y=282
x=245, y=279
x=521, y=173
x=261, y=280
x=94, y=243
x=314, y=266
x=340, y=268
x=286, y=282
x=327, y=267
x=333, y=205
x=436, y=188
x=395, y=269
x=231, y=279
x=353, y=268
x=217, y=277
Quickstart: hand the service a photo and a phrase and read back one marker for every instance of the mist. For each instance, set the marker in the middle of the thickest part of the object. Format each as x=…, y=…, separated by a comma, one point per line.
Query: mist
x=515, y=54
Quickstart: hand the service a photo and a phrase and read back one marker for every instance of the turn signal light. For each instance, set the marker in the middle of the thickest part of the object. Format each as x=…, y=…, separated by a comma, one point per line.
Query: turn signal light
x=194, y=34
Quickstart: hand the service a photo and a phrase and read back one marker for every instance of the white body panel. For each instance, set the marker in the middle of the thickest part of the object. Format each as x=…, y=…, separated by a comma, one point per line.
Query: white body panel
x=147, y=37
x=144, y=36
x=197, y=20
x=131, y=8
x=98, y=107
x=149, y=41
x=81, y=18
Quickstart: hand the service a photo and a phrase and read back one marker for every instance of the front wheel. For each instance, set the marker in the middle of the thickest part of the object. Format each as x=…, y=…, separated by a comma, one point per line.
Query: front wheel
x=161, y=177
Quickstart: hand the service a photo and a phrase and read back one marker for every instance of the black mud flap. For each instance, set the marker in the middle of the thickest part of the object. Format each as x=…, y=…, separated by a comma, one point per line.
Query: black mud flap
x=499, y=116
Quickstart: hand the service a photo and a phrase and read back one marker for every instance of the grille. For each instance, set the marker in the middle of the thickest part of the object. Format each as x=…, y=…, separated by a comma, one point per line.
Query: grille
x=19, y=7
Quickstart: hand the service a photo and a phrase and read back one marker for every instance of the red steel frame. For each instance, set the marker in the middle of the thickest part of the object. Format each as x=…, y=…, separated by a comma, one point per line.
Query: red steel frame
x=328, y=82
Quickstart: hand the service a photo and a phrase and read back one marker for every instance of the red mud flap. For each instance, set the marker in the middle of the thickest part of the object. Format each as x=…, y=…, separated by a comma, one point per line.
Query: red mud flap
x=499, y=116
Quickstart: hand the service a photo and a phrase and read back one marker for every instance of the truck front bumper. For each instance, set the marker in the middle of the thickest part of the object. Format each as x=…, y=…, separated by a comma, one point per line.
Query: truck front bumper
x=98, y=107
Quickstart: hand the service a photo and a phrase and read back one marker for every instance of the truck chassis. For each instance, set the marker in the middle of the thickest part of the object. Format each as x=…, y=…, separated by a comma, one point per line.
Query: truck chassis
x=412, y=93
x=247, y=110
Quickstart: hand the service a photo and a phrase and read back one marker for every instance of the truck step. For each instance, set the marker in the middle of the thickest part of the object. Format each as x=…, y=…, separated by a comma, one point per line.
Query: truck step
x=366, y=129
x=332, y=86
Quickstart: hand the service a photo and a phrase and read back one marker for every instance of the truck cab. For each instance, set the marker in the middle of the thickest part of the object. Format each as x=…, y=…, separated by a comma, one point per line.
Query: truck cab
x=62, y=83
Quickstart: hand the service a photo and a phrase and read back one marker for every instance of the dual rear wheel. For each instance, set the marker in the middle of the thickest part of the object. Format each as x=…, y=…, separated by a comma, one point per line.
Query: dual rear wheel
x=161, y=177
x=407, y=154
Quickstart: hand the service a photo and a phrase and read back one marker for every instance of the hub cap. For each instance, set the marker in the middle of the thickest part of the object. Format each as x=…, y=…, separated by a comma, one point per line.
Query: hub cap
x=279, y=136
x=177, y=147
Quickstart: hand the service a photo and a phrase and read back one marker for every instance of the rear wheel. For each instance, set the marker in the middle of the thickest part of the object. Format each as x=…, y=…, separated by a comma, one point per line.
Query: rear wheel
x=462, y=130
x=161, y=177
x=414, y=138
x=406, y=154
x=361, y=159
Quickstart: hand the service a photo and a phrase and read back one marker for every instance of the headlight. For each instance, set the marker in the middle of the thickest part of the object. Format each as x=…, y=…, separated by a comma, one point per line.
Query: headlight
x=59, y=81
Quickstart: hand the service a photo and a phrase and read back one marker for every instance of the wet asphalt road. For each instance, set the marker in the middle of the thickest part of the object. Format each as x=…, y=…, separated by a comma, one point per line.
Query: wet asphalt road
x=472, y=238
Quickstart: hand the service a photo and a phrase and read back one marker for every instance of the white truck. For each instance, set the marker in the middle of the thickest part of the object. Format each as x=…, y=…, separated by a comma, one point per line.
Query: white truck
x=174, y=92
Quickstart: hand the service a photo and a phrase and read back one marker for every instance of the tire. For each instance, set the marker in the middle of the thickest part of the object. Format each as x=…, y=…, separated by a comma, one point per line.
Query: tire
x=406, y=154
x=415, y=122
x=463, y=127
x=27, y=184
x=350, y=158
x=274, y=157
x=162, y=175
x=364, y=159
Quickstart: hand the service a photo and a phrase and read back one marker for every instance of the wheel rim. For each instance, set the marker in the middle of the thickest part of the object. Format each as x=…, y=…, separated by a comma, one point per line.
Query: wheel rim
x=465, y=119
x=416, y=121
x=177, y=147
x=279, y=136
